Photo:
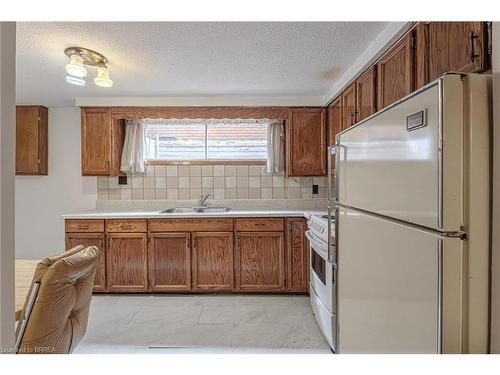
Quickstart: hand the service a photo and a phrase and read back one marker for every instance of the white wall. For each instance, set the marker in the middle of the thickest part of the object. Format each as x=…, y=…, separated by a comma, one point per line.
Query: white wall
x=7, y=191
x=495, y=267
x=41, y=200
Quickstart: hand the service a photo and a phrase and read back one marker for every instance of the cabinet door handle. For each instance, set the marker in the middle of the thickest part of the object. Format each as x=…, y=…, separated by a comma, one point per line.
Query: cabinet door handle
x=472, y=39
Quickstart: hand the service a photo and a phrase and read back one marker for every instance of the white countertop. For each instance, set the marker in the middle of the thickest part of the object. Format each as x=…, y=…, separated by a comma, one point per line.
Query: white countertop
x=157, y=215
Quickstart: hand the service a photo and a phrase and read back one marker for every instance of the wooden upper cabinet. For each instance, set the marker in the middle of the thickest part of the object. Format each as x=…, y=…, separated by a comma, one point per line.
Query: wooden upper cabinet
x=31, y=140
x=305, y=143
x=92, y=239
x=297, y=255
x=96, y=141
x=334, y=124
x=259, y=261
x=365, y=94
x=126, y=262
x=169, y=257
x=334, y=120
x=455, y=47
x=396, y=72
x=349, y=106
x=212, y=261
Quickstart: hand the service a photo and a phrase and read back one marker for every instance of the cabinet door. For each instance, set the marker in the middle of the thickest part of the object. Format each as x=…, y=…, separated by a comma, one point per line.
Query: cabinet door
x=297, y=253
x=396, y=72
x=31, y=140
x=213, y=260
x=92, y=239
x=96, y=141
x=455, y=46
x=169, y=256
x=365, y=94
x=349, y=106
x=126, y=262
x=305, y=143
x=259, y=261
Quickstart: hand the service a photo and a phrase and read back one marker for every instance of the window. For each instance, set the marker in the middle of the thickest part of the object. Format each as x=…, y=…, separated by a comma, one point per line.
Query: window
x=206, y=139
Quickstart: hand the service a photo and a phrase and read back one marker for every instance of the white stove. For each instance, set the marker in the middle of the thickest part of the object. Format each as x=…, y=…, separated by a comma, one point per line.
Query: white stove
x=322, y=283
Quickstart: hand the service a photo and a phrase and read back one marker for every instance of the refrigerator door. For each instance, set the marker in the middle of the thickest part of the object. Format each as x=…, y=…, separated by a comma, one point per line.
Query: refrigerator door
x=392, y=163
x=389, y=287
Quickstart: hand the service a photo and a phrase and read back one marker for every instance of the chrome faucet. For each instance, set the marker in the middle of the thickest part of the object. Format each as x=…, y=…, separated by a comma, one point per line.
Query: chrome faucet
x=203, y=198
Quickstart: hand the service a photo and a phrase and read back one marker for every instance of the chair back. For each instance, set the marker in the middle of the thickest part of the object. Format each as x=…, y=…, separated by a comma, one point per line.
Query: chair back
x=55, y=315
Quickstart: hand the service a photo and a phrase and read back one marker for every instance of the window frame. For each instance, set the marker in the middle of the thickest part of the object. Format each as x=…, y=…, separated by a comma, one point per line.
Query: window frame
x=207, y=161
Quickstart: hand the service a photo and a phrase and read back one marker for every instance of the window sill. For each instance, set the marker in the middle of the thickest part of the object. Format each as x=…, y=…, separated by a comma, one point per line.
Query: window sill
x=207, y=162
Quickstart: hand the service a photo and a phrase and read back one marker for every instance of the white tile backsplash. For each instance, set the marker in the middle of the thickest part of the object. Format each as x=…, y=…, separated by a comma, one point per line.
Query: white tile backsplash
x=184, y=182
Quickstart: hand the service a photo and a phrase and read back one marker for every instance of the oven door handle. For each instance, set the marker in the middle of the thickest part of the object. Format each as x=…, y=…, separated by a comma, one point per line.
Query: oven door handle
x=315, y=243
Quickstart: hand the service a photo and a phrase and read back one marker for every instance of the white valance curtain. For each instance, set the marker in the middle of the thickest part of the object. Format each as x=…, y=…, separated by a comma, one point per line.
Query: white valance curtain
x=134, y=147
x=275, y=148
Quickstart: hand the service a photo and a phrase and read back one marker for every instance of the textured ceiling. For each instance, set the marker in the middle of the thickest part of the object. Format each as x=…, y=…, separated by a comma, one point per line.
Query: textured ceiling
x=296, y=59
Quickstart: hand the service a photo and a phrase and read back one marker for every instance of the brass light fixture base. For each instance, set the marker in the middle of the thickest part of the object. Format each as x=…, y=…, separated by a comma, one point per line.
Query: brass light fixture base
x=89, y=56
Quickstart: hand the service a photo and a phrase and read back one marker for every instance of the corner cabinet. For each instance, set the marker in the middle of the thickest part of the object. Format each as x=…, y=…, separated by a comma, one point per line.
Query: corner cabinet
x=31, y=140
x=102, y=142
x=306, y=142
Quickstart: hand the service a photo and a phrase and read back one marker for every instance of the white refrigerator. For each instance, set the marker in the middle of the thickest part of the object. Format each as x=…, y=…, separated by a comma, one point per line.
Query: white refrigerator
x=410, y=203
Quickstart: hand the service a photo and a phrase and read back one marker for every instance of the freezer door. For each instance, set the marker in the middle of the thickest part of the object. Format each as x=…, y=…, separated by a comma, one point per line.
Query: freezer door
x=391, y=164
x=388, y=287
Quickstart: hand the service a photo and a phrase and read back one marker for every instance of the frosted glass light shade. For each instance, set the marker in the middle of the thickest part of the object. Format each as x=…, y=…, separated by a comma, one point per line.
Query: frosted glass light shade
x=102, y=79
x=75, y=67
x=75, y=80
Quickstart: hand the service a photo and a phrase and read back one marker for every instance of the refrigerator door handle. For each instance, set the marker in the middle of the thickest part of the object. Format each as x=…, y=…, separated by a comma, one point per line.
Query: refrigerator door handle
x=333, y=177
x=332, y=245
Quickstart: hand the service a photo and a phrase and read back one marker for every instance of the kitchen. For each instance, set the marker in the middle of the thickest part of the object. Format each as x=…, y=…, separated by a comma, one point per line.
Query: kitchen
x=314, y=223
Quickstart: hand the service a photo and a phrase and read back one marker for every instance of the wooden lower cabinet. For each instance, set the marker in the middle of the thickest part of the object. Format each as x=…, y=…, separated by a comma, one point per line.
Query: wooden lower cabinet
x=297, y=255
x=212, y=261
x=126, y=261
x=91, y=239
x=209, y=255
x=169, y=259
x=259, y=261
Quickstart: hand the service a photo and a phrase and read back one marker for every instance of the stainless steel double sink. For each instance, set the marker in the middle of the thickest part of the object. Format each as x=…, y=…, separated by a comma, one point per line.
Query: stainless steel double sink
x=194, y=210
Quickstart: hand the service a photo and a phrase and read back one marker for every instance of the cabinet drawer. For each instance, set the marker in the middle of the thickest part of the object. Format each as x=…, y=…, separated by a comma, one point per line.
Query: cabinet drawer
x=260, y=225
x=191, y=225
x=126, y=226
x=84, y=226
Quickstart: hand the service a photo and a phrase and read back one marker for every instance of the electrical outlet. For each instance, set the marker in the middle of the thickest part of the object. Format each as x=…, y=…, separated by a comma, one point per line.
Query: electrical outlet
x=315, y=189
x=122, y=180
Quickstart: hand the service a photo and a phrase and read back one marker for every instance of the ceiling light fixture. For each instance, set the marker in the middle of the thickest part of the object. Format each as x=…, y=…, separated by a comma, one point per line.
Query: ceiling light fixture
x=102, y=79
x=76, y=71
